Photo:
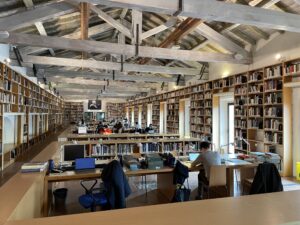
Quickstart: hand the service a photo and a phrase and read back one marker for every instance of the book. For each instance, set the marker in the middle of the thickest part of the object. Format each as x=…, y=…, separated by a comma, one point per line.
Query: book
x=34, y=167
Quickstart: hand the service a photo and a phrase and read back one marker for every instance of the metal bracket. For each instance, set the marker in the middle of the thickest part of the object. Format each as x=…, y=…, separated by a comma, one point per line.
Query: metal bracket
x=114, y=75
x=180, y=8
x=18, y=55
x=137, y=41
x=122, y=63
x=178, y=79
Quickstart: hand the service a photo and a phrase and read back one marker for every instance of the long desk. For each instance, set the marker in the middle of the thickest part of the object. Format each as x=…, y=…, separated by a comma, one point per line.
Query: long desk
x=72, y=175
x=164, y=178
x=264, y=209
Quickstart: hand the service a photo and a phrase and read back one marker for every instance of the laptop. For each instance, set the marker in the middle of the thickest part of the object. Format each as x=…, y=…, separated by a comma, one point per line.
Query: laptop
x=193, y=156
x=84, y=164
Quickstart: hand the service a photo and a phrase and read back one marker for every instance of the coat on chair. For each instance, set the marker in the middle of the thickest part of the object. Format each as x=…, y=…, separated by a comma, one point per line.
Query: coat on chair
x=267, y=179
x=116, y=185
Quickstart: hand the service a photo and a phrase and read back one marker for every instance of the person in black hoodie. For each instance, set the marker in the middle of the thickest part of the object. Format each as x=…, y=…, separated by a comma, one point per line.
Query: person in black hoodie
x=116, y=185
x=267, y=179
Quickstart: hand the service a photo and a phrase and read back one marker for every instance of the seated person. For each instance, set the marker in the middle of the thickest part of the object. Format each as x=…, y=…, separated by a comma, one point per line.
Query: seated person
x=150, y=128
x=99, y=127
x=207, y=158
x=118, y=127
x=137, y=127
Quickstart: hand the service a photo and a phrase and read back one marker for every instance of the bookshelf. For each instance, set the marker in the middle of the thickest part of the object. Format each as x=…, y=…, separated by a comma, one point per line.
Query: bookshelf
x=73, y=112
x=241, y=112
x=115, y=111
x=197, y=112
x=273, y=111
x=173, y=115
x=156, y=111
x=27, y=114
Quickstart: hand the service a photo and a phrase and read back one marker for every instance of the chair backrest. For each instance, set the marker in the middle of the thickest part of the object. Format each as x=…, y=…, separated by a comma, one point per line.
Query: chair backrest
x=217, y=176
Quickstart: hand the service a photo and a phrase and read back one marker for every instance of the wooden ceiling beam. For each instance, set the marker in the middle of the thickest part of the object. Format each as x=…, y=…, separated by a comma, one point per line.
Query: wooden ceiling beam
x=183, y=29
x=108, y=19
x=214, y=11
x=38, y=14
x=117, y=76
x=112, y=48
x=84, y=23
x=55, y=61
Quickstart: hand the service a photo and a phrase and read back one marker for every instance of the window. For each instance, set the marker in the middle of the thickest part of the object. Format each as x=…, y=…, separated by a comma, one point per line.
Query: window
x=231, y=127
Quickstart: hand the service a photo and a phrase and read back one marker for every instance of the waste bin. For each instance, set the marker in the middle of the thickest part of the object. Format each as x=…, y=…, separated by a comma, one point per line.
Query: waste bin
x=60, y=196
x=298, y=170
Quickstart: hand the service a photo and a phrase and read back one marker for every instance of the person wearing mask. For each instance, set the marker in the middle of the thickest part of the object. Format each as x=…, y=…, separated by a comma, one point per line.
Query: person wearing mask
x=207, y=158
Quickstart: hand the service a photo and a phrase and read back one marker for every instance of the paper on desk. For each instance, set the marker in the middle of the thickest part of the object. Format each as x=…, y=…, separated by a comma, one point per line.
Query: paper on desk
x=291, y=223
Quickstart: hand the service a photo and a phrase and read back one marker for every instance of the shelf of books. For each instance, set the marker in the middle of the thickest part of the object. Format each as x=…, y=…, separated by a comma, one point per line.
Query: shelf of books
x=273, y=110
x=115, y=111
x=155, y=111
x=173, y=115
x=20, y=98
x=197, y=112
x=241, y=112
x=73, y=112
x=144, y=114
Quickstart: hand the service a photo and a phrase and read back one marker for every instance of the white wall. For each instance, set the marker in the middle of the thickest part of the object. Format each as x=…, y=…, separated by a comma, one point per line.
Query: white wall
x=296, y=128
x=286, y=44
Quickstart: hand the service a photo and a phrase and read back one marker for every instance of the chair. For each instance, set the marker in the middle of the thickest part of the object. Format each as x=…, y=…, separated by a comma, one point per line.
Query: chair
x=267, y=179
x=216, y=180
x=91, y=199
x=247, y=176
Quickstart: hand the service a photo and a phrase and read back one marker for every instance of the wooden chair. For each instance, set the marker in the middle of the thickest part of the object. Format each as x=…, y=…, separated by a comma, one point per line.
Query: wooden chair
x=217, y=182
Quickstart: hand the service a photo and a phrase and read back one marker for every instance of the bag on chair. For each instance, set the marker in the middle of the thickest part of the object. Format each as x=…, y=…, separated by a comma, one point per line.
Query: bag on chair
x=182, y=194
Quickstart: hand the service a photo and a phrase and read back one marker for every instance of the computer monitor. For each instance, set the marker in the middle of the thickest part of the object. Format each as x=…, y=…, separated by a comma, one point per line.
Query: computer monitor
x=82, y=130
x=73, y=152
x=100, y=116
x=193, y=156
x=85, y=164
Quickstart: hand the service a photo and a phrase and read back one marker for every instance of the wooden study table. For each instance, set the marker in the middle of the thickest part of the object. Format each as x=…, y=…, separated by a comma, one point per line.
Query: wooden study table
x=264, y=209
x=72, y=175
x=164, y=178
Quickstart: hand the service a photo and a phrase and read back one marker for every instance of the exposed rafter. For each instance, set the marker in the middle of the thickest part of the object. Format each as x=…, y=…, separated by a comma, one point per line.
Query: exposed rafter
x=170, y=23
x=39, y=25
x=112, y=48
x=55, y=61
x=216, y=11
x=34, y=15
x=118, y=76
x=114, y=23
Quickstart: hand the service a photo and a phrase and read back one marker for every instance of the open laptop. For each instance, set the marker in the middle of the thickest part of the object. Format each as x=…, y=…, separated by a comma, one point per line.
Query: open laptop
x=193, y=156
x=84, y=164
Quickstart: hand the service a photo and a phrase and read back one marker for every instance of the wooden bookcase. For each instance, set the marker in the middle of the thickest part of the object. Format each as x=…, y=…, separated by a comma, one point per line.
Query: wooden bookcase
x=73, y=112
x=115, y=111
x=27, y=114
x=263, y=108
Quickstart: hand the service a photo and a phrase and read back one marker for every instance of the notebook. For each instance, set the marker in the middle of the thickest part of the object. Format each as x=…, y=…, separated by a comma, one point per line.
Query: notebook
x=85, y=164
x=193, y=156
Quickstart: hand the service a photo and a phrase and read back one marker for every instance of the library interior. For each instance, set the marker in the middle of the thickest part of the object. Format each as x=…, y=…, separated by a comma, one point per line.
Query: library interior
x=153, y=112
